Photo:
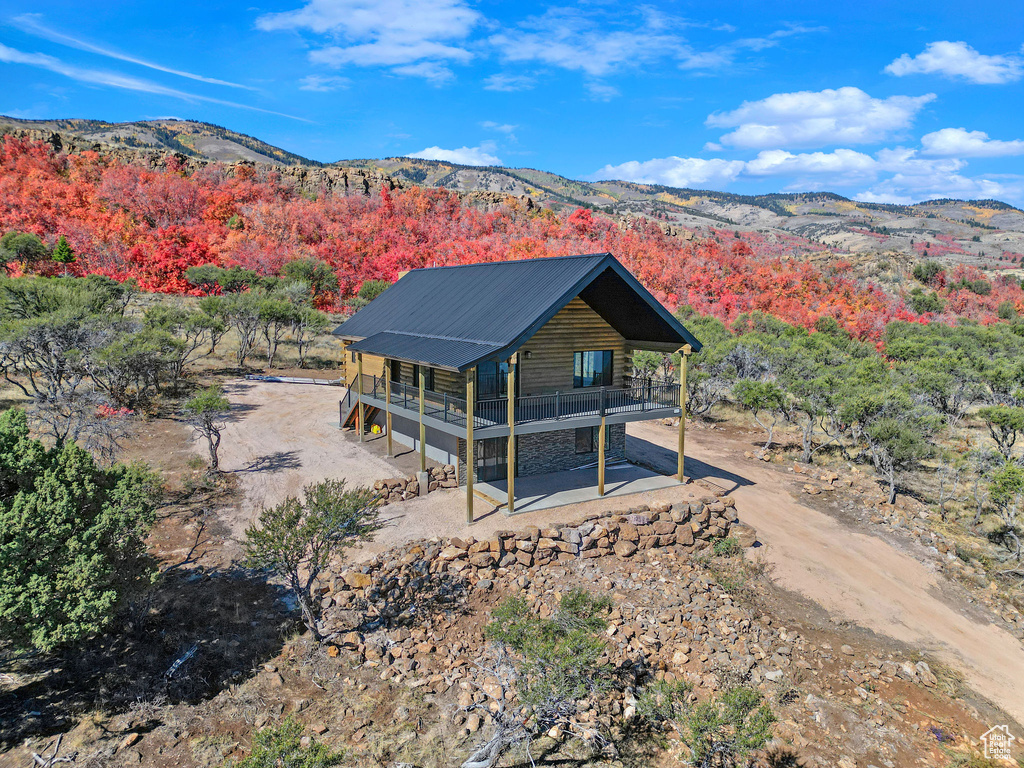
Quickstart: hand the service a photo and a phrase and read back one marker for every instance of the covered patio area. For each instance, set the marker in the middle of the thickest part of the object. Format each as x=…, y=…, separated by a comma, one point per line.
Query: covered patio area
x=558, y=489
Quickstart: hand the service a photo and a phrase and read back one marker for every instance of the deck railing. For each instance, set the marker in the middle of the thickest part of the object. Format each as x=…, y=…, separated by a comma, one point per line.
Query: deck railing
x=639, y=397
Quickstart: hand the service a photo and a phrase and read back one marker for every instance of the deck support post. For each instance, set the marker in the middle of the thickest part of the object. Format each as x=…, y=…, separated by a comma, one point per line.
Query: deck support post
x=511, y=453
x=470, y=459
x=684, y=357
x=600, y=457
x=423, y=427
x=361, y=414
x=387, y=408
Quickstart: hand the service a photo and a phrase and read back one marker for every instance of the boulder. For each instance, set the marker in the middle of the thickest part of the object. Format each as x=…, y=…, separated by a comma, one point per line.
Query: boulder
x=745, y=535
x=357, y=580
x=624, y=548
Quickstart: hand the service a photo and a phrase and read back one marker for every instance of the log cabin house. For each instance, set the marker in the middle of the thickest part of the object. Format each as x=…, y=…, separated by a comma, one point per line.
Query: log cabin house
x=434, y=358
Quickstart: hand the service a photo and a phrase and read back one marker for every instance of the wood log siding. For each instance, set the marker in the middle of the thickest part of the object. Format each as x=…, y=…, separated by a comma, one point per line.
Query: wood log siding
x=576, y=328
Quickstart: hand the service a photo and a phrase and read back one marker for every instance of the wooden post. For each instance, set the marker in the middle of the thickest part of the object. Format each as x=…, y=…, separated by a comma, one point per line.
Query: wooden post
x=470, y=459
x=684, y=355
x=600, y=459
x=423, y=427
x=387, y=408
x=511, y=457
x=360, y=414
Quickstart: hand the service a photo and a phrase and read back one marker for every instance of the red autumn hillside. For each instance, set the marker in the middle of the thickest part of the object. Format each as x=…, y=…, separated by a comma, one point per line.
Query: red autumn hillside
x=126, y=221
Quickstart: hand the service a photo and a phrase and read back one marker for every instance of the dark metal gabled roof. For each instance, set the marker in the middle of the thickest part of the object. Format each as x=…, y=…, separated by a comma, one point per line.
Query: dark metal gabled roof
x=456, y=317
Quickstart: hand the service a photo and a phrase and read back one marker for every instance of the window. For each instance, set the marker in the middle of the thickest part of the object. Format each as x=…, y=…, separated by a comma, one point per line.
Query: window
x=585, y=442
x=428, y=378
x=592, y=369
x=396, y=372
x=587, y=438
x=491, y=380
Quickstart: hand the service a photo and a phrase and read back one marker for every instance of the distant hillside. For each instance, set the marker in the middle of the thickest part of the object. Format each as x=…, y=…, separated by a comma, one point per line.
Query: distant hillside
x=984, y=233
x=977, y=232
x=189, y=137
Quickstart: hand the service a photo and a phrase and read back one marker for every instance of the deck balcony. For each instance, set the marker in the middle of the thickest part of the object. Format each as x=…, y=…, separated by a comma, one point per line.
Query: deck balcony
x=533, y=413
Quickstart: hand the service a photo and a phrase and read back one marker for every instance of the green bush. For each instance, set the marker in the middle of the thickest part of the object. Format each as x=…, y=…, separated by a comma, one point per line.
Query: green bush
x=72, y=538
x=281, y=747
x=371, y=289
x=726, y=547
x=926, y=271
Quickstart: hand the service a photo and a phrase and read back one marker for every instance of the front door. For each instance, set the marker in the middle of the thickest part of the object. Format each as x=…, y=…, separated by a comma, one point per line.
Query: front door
x=492, y=459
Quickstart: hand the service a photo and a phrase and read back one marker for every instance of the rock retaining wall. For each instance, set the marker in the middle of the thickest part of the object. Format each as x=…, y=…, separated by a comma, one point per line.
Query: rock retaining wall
x=682, y=528
x=396, y=489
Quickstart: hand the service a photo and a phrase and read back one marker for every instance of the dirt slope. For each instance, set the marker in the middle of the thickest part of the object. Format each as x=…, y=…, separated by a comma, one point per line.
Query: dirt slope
x=853, y=575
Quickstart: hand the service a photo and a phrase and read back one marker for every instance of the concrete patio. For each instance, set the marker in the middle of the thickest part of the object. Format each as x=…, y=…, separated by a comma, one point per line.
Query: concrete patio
x=558, y=489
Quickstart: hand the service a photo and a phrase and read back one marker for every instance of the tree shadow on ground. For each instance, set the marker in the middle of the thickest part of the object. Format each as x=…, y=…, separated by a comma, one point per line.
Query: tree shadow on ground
x=277, y=461
x=221, y=624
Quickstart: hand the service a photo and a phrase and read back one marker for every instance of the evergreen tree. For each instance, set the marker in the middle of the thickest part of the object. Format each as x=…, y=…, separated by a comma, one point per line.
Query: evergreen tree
x=63, y=253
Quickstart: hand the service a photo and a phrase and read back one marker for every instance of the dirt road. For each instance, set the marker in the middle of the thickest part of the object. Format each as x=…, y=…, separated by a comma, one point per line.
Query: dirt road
x=281, y=437
x=853, y=575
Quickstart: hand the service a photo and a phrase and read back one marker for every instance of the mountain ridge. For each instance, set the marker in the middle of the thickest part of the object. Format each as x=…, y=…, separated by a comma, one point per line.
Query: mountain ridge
x=984, y=233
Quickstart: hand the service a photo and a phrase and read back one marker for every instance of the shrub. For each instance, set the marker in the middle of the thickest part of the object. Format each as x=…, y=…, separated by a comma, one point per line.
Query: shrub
x=726, y=547
x=297, y=539
x=281, y=747
x=926, y=271
x=371, y=289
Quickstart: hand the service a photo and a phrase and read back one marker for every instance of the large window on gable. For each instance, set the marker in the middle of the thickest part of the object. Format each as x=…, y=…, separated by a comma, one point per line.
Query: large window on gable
x=592, y=368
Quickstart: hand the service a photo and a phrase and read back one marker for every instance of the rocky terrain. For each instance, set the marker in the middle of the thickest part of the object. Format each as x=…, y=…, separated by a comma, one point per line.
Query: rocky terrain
x=403, y=679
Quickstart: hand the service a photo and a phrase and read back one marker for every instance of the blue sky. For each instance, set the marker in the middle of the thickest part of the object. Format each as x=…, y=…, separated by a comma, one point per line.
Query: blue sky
x=878, y=101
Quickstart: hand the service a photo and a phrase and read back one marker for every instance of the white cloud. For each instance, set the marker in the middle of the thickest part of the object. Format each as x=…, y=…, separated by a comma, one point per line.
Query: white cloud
x=841, y=167
x=490, y=125
x=570, y=38
x=509, y=83
x=840, y=163
x=602, y=91
x=904, y=189
x=415, y=36
x=725, y=55
x=597, y=44
x=480, y=155
x=959, y=60
x=959, y=142
x=816, y=118
x=32, y=23
x=323, y=84
x=117, y=80
x=429, y=70
x=674, y=171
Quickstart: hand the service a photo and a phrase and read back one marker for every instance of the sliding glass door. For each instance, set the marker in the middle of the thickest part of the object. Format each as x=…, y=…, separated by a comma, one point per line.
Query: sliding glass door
x=492, y=459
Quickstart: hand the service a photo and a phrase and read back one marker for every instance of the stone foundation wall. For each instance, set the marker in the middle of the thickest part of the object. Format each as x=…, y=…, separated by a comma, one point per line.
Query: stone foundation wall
x=542, y=452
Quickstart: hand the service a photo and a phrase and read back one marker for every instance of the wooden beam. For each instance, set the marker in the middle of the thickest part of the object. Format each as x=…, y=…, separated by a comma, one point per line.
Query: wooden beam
x=361, y=414
x=600, y=459
x=684, y=355
x=423, y=427
x=470, y=459
x=387, y=408
x=511, y=452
